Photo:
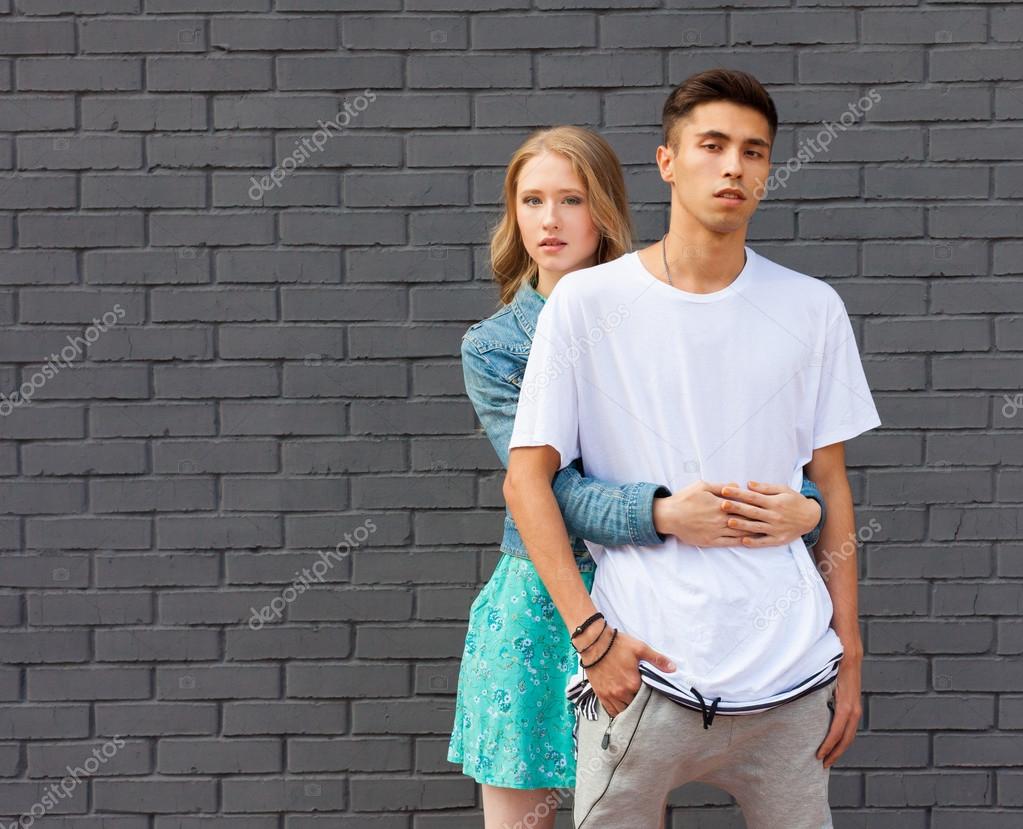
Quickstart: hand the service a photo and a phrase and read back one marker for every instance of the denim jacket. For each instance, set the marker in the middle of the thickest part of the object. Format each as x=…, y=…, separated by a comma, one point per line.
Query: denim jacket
x=494, y=353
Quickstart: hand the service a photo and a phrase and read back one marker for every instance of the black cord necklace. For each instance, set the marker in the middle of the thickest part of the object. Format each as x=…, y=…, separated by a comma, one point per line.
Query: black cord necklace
x=664, y=254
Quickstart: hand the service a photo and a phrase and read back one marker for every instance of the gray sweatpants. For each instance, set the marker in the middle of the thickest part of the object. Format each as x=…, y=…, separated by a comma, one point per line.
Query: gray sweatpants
x=766, y=761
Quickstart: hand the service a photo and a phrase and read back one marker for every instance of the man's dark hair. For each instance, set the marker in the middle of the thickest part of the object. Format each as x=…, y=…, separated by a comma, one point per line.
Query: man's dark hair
x=716, y=85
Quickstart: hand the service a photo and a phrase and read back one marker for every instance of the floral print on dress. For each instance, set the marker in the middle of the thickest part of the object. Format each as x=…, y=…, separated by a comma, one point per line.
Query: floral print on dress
x=513, y=724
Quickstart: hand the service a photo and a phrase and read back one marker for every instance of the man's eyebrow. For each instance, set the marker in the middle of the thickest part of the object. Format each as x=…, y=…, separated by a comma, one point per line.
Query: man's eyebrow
x=760, y=142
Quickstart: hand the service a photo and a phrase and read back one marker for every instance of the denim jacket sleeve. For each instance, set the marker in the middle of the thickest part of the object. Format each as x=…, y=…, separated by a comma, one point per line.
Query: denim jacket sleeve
x=605, y=513
x=810, y=491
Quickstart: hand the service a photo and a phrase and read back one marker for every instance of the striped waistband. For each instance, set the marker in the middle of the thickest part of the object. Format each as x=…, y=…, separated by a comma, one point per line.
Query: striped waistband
x=584, y=698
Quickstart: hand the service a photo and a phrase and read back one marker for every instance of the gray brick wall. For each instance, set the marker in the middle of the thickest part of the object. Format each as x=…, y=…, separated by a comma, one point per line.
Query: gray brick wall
x=265, y=383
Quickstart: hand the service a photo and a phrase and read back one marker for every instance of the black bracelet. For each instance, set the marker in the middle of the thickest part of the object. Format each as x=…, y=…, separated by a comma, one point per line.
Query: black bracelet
x=594, y=642
x=587, y=623
x=595, y=661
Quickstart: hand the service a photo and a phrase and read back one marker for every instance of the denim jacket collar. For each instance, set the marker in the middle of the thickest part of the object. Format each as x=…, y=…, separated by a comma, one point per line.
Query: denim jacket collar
x=526, y=305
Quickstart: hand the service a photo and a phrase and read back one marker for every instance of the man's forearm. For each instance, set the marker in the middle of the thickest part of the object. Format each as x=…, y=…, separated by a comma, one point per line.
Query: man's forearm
x=539, y=521
x=836, y=558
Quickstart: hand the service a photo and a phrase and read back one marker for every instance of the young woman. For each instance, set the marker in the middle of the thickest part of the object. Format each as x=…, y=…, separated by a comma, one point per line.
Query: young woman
x=565, y=209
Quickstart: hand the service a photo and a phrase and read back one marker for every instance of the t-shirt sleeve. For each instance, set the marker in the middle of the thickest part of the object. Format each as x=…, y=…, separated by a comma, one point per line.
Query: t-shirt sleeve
x=548, y=412
x=845, y=407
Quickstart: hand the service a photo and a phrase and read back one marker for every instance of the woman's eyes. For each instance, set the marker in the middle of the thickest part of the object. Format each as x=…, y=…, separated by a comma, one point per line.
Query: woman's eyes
x=536, y=199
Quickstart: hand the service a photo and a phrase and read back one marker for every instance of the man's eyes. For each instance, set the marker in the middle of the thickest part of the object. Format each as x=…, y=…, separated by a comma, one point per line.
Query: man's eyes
x=758, y=155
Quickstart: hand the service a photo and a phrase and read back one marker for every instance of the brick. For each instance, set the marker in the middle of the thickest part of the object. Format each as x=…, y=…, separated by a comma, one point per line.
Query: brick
x=149, y=267
x=182, y=457
x=32, y=113
x=36, y=722
x=340, y=72
x=296, y=265
x=365, y=380
x=54, y=759
x=468, y=71
x=637, y=68
x=928, y=789
x=155, y=796
x=178, y=34
x=35, y=647
x=862, y=66
x=342, y=228
x=405, y=794
x=411, y=189
x=426, y=264
x=289, y=642
x=80, y=608
x=344, y=304
x=341, y=754
x=140, y=644
x=932, y=636
x=85, y=152
x=208, y=757
x=902, y=26
x=349, y=680
x=205, y=74
x=58, y=230
x=214, y=150
x=961, y=63
x=87, y=683
x=143, y=113
x=80, y=74
x=82, y=7
x=37, y=37
x=381, y=32
x=273, y=33
x=132, y=190
x=218, y=682
x=548, y=31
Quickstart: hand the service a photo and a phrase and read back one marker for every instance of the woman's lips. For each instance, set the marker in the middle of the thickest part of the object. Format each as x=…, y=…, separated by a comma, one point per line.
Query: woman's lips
x=553, y=247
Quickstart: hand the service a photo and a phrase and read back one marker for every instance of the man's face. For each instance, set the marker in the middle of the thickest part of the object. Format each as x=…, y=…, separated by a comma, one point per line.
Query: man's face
x=719, y=145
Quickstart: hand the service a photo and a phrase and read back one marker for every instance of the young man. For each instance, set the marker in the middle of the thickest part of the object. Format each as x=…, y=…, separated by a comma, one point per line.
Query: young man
x=697, y=361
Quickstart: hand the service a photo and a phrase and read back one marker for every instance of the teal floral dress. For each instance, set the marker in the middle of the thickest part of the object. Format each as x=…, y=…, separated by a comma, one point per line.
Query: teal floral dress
x=513, y=724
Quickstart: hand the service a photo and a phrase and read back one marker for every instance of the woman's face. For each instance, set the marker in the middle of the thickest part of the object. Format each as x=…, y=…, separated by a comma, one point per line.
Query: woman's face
x=554, y=215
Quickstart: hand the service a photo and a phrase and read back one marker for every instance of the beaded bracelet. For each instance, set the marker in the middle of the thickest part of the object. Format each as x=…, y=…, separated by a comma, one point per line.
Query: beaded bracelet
x=587, y=623
x=594, y=642
x=610, y=644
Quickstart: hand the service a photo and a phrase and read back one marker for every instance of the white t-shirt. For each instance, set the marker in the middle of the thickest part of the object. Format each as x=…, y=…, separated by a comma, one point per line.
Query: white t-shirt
x=647, y=382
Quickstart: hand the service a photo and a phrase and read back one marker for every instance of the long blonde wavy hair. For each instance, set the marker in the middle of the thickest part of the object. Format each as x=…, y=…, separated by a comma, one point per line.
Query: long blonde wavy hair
x=596, y=164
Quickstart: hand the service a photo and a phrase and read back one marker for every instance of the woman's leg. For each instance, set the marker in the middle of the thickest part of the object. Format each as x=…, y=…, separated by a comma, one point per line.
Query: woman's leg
x=509, y=808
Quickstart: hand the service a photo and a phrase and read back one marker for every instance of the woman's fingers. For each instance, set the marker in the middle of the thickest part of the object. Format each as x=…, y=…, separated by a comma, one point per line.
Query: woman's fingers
x=758, y=527
x=748, y=510
x=762, y=541
x=768, y=489
x=746, y=495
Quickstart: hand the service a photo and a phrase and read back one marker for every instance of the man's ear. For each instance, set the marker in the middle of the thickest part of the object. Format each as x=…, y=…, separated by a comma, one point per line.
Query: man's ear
x=664, y=158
